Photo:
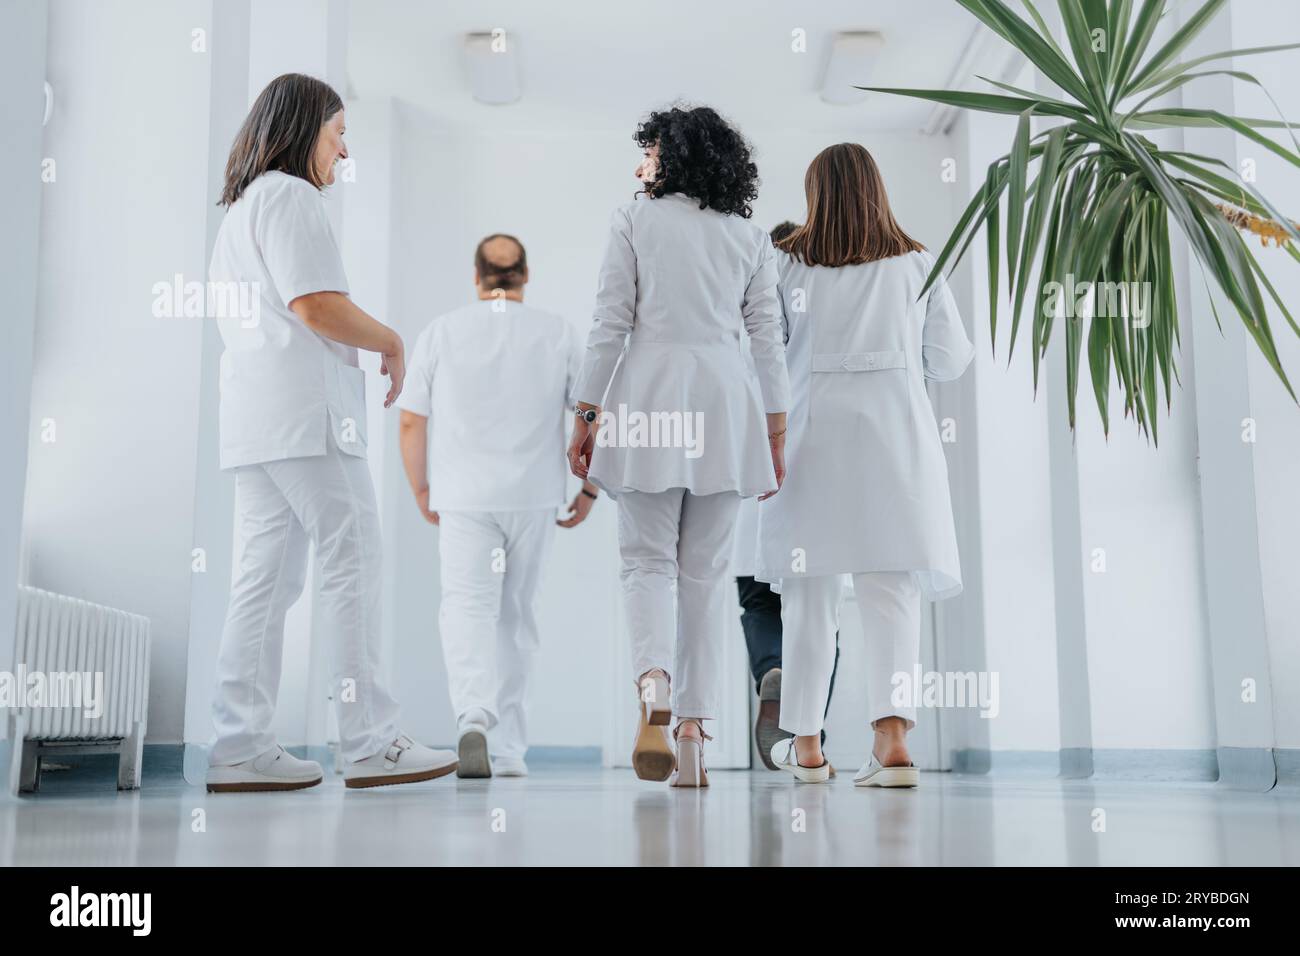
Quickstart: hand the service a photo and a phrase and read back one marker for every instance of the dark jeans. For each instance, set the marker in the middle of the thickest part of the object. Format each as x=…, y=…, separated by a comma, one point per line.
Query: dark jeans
x=760, y=618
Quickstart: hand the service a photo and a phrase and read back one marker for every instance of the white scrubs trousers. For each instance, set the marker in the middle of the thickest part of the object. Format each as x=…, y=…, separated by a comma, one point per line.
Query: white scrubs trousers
x=889, y=605
x=491, y=563
x=329, y=501
x=669, y=538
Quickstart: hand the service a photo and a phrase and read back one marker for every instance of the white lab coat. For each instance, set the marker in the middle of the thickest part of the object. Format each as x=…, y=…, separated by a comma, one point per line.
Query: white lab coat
x=283, y=386
x=677, y=285
x=495, y=379
x=867, y=488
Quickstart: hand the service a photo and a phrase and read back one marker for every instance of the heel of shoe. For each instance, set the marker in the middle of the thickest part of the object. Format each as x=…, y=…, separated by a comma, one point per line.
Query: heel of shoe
x=652, y=757
x=656, y=701
x=690, y=764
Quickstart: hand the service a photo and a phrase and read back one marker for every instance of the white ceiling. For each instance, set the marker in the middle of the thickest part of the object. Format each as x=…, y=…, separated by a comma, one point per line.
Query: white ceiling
x=602, y=64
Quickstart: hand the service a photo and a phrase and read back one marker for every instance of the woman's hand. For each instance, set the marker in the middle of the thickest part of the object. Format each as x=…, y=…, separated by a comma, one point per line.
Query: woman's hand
x=776, y=443
x=580, y=507
x=581, y=445
x=422, y=502
x=393, y=365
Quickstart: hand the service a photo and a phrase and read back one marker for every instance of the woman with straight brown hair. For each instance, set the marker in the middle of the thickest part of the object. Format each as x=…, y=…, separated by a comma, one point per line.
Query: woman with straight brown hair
x=293, y=431
x=867, y=492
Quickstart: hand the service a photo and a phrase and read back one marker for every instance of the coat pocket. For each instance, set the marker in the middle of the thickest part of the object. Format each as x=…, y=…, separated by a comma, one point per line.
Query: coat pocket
x=348, y=410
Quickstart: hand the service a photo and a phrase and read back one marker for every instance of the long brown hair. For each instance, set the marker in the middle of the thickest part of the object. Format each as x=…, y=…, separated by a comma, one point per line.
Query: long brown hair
x=849, y=220
x=280, y=133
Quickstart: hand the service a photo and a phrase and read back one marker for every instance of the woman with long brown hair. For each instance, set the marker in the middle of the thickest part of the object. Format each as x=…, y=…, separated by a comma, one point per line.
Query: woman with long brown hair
x=293, y=431
x=867, y=492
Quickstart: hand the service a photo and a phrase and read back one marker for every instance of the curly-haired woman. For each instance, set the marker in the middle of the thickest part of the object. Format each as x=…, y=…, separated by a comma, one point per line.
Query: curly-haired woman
x=677, y=432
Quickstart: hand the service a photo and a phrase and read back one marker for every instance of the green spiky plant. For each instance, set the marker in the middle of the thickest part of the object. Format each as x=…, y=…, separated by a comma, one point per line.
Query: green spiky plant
x=1104, y=196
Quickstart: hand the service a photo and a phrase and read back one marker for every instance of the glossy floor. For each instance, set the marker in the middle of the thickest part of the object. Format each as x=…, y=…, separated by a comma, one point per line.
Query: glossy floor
x=592, y=816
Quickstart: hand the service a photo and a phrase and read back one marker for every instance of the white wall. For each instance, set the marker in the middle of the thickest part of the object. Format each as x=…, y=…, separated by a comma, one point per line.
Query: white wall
x=109, y=503
x=22, y=72
x=1277, y=450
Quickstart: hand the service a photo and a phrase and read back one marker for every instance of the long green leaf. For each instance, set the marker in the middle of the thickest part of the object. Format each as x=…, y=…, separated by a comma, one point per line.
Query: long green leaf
x=1135, y=46
x=997, y=16
x=1172, y=71
x=1018, y=170
x=1175, y=45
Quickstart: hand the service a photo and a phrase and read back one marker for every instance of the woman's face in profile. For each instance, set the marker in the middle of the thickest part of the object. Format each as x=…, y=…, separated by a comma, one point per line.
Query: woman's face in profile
x=648, y=171
x=329, y=148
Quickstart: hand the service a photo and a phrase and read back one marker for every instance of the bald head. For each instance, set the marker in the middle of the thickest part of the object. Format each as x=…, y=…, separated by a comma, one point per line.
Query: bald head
x=500, y=263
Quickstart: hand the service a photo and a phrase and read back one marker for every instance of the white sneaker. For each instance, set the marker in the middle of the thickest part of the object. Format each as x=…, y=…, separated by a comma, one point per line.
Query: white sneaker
x=509, y=767
x=783, y=756
x=277, y=769
x=873, y=774
x=404, y=761
x=473, y=751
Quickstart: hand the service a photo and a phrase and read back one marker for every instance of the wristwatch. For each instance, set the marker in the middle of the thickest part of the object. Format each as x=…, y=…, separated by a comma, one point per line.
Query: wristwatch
x=588, y=415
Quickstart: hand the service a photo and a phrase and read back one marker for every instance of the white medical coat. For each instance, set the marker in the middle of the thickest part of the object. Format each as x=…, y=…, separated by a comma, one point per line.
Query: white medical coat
x=677, y=285
x=283, y=386
x=867, y=488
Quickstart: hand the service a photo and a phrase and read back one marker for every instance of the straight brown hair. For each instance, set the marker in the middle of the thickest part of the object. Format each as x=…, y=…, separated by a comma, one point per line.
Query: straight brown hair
x=849, y=220
x=280, y=133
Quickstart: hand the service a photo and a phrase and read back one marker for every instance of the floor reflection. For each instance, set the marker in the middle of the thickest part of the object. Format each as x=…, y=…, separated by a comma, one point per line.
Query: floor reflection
x=607, y=817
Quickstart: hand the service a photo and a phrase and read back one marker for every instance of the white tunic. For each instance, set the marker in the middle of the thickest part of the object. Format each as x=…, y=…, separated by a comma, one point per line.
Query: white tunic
x=282, y=385
x=867, y=488
x=677, y=285
x=494, y=380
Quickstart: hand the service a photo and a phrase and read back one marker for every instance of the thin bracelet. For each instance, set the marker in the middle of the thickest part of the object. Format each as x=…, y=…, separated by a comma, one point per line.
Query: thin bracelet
x=592, y=495
x=777, y=434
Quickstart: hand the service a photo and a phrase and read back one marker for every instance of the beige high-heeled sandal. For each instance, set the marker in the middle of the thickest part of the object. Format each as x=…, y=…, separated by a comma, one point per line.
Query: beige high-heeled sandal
x=652, y=756
x=690, y=770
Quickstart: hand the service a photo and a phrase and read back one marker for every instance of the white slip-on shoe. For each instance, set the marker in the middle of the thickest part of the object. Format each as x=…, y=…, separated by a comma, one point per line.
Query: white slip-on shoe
x=873, y=774
x=473, y=751
x=783, y=757
x=276, y=769
x=402, y=761
x=509, y=767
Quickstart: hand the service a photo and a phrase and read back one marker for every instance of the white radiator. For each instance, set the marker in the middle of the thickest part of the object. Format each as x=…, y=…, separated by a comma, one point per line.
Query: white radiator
x=94, y=662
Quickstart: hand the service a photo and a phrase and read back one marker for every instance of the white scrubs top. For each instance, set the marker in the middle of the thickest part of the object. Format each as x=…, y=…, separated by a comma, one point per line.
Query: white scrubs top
x=283, y=386
x=867, y=488
x=677, y=285
x=495, y=381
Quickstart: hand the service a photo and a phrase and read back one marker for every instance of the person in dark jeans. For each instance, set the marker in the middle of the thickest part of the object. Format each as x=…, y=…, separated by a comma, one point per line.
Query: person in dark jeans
x=760, y=619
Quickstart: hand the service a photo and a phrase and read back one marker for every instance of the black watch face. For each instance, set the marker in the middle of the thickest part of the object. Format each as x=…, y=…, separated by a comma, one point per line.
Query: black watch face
x=589, y=415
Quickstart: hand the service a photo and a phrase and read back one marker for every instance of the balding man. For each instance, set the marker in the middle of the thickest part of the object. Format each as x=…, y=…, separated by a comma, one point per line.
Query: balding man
x=484, y=410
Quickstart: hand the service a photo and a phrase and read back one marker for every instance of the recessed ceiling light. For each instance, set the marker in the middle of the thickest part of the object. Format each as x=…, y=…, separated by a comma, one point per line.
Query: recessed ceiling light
x=853, y=59
x=492, y=67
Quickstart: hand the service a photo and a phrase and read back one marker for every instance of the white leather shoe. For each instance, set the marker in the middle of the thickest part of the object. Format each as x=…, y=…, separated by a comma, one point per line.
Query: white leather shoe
x=873, y=774
x=403, y=761
x=509, y=767
x=277, y=769
x=472, y=751
x=783, y=756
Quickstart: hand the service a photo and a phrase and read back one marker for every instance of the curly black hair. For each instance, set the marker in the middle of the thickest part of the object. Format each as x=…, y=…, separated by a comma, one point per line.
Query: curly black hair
x=702, y=156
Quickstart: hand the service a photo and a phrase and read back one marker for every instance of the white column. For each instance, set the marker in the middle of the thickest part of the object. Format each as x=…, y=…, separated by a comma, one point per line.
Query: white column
x=1234, y=596
x=214, y=490
x=22, y=77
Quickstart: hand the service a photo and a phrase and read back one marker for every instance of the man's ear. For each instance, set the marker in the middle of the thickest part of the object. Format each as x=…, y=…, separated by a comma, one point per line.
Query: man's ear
x=525, y=275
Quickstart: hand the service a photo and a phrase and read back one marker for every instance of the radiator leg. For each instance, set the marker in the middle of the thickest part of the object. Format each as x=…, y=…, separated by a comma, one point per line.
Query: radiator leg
x=130, y=758
x=29, y=776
